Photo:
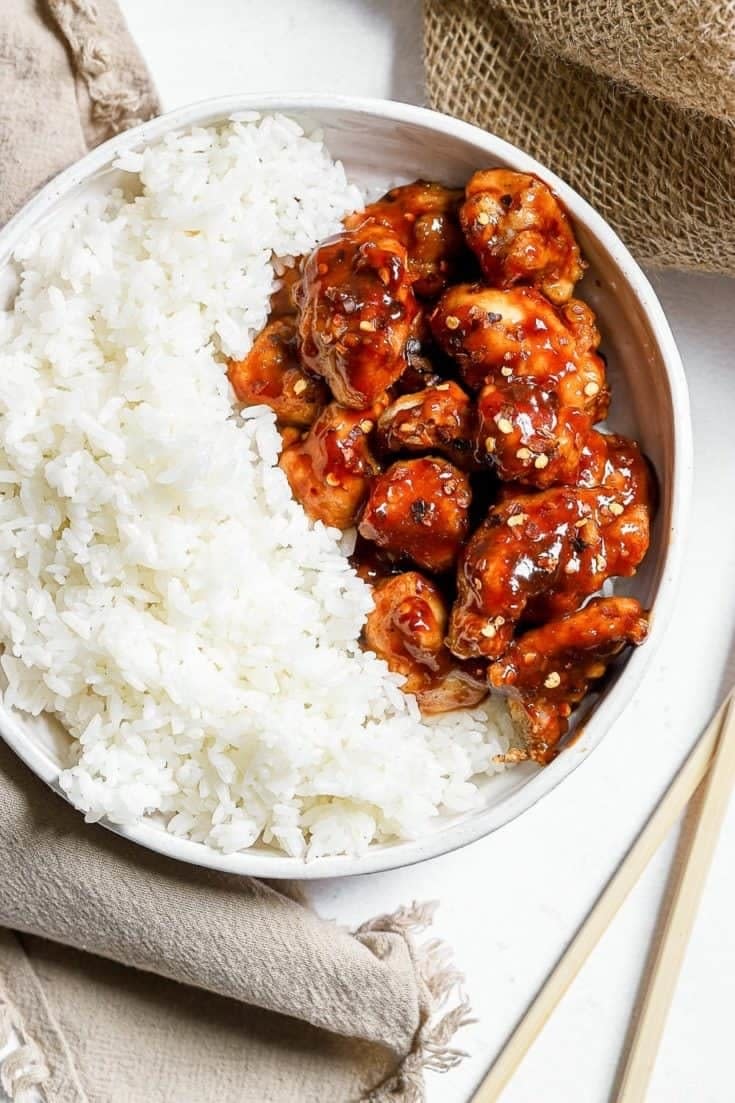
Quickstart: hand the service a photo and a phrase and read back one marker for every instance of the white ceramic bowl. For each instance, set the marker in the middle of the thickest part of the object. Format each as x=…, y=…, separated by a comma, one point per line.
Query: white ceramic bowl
x=385, y=143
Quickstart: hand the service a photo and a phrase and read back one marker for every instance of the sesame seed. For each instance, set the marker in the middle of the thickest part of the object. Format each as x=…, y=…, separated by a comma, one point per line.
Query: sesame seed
x=517, y=519
x=572, y=567
x=442, y=387
x=451, y=321
x=541, y=461
x=616, y=509
x=596, y=670
x=366, y=425
x=530, y=657
x=332, y=480
x=504, y=425
x=592, y=389
x=483, y=218
x=488, y=631
x=300, y=386
x=507, y=372
x=489, y=444
x=523, y=454
x=551, y=681
x=367, y=326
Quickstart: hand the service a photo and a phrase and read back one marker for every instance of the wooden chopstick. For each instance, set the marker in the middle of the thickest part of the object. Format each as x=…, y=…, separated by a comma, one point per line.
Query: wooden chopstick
x=690, y=878
x=606, y=907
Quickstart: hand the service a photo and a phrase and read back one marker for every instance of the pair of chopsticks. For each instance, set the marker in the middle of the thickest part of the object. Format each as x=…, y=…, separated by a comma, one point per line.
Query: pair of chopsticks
x=713, y=758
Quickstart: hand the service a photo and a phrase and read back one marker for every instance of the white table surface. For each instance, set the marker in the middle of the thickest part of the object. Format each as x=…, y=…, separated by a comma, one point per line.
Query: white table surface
x=509, y=904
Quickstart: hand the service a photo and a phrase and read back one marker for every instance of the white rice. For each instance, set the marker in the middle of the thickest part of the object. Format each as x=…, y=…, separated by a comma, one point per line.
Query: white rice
x=160, y=591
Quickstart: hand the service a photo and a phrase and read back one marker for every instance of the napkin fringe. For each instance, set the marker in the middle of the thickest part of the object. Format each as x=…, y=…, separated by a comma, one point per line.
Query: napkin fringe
x=440, y=981
x=24, y=1068
x=120, y=97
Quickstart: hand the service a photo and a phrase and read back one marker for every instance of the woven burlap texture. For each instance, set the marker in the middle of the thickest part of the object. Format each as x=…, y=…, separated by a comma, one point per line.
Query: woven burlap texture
x=632, y=103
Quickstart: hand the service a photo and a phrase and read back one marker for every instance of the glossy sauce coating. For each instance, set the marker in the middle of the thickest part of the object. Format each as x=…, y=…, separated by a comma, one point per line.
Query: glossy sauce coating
x=542, y=383
x=528, y=435
x=425, y=219
x=436, y=419
x=356, y=310
x=329, y=469
x=548, y=547
x=507, y=335
x=271, y=375
x=407, y=628
x=546, y=672
x=419, y=509
x=520, y=233
x=625, y=495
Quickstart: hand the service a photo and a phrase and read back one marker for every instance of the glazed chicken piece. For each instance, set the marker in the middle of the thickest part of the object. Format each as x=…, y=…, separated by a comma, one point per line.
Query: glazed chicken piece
x=626, y=494
x=520, y=233
x=536, y=555
x=407, y=628
x=330, y=467
x=271, y=375
x=542, y=383
x=616, y=462
x=419, y=509
x=437, y=419
x=528, y=436
x=356, y=310
x=547, y=671
x=498, y=336
x=425, y=219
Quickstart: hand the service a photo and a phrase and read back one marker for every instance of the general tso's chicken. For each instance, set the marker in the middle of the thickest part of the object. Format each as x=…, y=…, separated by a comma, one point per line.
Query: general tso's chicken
x=615, y=468
x=356, y=309
x=535, y=551
x=503, y=336
x=437, y=419
x=546, y=672
x=271, y=375
x=419, y=508
x=330, y=467
x=520, y=233
x=407, y=628
x=611, y=460
x=528, y=436
x=425, y=219
x=543, y=385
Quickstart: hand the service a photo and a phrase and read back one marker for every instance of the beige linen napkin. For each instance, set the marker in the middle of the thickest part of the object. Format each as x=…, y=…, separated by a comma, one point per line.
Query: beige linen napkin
x=631, y=101
x=129, y=978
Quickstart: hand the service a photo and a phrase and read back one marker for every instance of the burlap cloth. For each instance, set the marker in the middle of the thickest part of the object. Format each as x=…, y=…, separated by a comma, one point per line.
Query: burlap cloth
x=192, y=987
x=631, y=101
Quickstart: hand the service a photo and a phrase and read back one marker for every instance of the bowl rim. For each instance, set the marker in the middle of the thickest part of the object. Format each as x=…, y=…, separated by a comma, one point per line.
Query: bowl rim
x=451, y=837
